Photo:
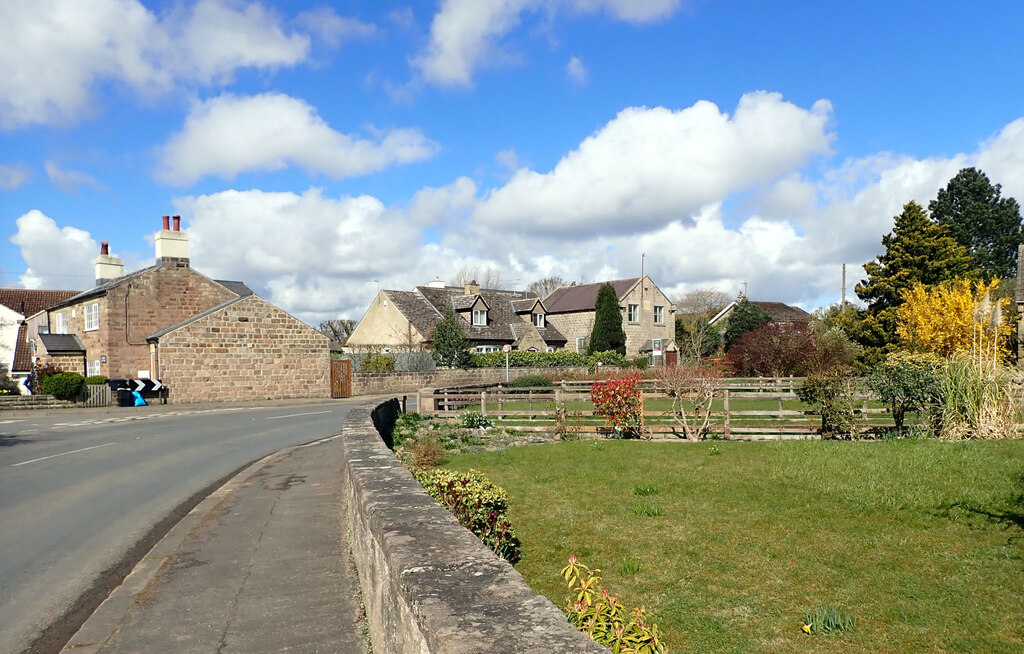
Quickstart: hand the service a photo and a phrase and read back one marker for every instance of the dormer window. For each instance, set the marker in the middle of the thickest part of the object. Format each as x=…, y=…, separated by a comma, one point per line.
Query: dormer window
x=538, y=320
x=479, y=317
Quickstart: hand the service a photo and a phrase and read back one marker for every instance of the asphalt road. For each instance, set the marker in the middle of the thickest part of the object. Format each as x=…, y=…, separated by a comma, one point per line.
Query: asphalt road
x=83, y=493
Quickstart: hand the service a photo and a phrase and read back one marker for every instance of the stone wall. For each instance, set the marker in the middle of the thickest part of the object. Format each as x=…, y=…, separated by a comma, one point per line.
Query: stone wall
x=66, y=362
x=380, y=383
x=249, y=350
x=429, y=585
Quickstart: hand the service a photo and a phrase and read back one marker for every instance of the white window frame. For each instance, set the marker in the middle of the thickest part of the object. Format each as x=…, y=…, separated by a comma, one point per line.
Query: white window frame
x=538, y=320
x=581, y=343
x=633, y=312
x=659, y=315
x=92, y=368
x=484, y=349
x=60, y=323
x=549, y=349
x=479, y=317
x=92, y=317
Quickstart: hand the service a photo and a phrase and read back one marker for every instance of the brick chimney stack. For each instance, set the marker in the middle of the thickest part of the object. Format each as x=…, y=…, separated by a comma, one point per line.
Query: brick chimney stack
x=172, y=244
x=107, y=267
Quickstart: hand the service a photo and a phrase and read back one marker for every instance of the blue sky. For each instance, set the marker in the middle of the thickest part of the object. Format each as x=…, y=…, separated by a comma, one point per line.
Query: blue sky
x=320, y=151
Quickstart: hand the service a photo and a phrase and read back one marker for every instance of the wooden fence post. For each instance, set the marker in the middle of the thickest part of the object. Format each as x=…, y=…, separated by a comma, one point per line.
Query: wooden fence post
x=725, y=411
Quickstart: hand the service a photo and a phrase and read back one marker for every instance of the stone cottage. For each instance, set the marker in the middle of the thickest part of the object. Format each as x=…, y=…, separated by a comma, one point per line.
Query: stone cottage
x=215, y=339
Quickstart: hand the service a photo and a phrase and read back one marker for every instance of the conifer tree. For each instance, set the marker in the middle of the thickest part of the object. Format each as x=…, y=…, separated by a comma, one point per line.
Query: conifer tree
x=450, y=346
x=607, y=333
x=988, y=225
x=745, y=317
x=917, y=251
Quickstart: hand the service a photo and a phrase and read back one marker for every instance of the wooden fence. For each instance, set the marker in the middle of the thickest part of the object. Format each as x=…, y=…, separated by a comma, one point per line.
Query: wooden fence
x=744, y=408
x=96, y=395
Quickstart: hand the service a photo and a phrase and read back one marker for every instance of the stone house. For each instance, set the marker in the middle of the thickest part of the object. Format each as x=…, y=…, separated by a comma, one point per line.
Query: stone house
x=490, y=319
x=17, y=306
x=646, y=316
x=137, y=325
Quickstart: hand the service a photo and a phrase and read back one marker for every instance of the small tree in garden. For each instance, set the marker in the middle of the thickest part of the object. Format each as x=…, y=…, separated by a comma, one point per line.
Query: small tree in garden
x=832, y=396
x=450, y=346
x=907, y=382
x=619, y=402
x=693, y=389
x=774, y=350
x=607, y=333
x=745, y=317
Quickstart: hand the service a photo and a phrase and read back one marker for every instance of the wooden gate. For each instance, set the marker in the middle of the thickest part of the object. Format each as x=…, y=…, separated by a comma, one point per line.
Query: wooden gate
x=341, y=378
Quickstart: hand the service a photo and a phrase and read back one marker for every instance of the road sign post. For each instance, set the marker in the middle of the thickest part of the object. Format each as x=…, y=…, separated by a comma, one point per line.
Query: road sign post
x=506, y=349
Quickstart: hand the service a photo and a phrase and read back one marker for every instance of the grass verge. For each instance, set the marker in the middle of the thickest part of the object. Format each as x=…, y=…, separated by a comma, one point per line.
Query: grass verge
x=920, y=542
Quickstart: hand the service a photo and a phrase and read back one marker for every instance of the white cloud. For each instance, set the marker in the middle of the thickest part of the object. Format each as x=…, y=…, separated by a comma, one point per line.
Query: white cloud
x=57, y=257
x=54, y=53
x=69, y=181
x=229, y=135
x=648, y=167
x=576, y=71
x=13, y=175
x=465, y=34
x=333, y=29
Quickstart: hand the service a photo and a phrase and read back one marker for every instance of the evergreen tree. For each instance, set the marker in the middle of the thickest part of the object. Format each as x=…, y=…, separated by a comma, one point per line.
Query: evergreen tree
x=745, y=317
x=450, y=346
x=607, y=333
x=917, y=251
x=988, y=225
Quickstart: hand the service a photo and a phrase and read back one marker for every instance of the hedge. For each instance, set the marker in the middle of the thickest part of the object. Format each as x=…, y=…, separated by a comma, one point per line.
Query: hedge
x=527, y=359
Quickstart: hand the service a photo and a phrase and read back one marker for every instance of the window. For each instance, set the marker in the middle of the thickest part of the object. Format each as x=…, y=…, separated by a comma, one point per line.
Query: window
x=549, y=349
x=484, y=349
x=60, y=323
x=480, y=317
x=93, y=368
x=633, y=314
x=659, y=315
x=538, y=319
x=92, y=316
x=581, y=344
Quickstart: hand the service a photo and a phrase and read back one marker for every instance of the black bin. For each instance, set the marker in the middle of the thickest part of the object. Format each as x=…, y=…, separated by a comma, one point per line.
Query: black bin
x=125, y=397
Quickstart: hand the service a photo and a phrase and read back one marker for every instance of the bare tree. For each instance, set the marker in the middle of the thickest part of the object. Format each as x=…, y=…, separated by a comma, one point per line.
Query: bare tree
x=544, y=287
x=694, y=336
x=489, y=277
x=701, y=303
x=337, y=330
x=693, y=389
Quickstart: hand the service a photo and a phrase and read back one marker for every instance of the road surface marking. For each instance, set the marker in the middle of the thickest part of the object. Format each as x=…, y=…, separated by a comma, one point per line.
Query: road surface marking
x=296, y=415
x=53, y=456
x=7, y=422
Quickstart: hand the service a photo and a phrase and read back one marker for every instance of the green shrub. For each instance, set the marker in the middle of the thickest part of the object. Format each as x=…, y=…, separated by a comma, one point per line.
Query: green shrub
x=95, y=380
x=527, y=359
x=379, y=363
x=832, y=396
x=605, y=619
x=63, y=385
x=476, y=420
x=606, y=358
x=478, y=504
x=640, y=362
x=531, y=381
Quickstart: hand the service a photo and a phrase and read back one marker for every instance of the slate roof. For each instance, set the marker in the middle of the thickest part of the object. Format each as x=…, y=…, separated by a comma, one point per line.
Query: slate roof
x=426, y=307
x=526, y=306
x=783, y=312
x=22, y=354
x=29, y=302
x=235, y=287
x=583, y=297
x=62, y=343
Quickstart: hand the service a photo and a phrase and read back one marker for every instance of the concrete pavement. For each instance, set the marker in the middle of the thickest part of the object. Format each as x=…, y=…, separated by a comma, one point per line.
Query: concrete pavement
x=261, y=565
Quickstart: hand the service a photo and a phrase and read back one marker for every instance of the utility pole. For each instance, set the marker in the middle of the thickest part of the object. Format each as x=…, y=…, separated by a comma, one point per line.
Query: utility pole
x=843, y=304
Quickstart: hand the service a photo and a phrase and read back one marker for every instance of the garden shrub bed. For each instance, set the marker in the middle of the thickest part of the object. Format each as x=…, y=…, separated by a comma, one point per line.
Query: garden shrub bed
x=732, y=546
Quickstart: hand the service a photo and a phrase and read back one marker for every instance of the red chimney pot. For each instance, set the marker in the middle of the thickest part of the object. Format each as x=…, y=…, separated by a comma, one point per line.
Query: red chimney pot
x=167, y=222
x=177, y=223
x=104, y=247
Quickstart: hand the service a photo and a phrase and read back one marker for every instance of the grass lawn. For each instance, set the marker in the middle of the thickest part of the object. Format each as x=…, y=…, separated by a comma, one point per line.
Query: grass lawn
x=921, y=541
